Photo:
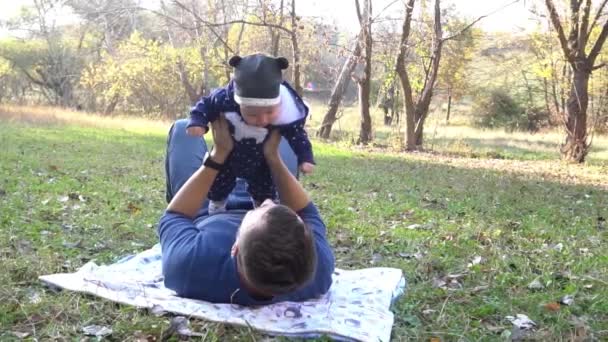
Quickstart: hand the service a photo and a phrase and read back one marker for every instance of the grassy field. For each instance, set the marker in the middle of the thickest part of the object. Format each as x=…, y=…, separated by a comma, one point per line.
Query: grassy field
x=470, y=232
x=459, y=138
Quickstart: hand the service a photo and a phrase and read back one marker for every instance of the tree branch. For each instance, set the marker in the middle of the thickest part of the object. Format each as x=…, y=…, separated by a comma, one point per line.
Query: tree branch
x=597, y=47
x=560, y=30
x=598, y=15
x=599, y=66
x=576, y=46
x=358, y=8
x=196, y=16
x=583, y=33
x=479, y=19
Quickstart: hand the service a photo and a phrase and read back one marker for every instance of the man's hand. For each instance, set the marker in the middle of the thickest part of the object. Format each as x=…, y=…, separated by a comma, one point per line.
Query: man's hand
x=196, y=131
x=307, y=168
x=271, y=146
x=222, y=140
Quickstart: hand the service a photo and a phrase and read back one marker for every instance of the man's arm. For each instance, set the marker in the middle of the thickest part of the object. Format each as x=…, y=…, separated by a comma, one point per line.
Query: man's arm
x=191, y=195
x=291, y=192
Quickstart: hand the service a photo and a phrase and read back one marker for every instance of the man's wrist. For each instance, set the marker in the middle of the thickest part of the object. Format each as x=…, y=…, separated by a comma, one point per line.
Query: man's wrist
x=218, y=155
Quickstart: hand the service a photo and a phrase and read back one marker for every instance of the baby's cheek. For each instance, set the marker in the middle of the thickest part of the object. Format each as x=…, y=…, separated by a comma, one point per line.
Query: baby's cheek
x=249, y=120
x=274, y=116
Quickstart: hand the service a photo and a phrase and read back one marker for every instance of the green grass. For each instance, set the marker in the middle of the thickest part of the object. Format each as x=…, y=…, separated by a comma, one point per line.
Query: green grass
x=508, y=215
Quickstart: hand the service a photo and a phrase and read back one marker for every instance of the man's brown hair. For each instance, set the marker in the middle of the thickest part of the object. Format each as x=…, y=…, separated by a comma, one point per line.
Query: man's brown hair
x=278, y=255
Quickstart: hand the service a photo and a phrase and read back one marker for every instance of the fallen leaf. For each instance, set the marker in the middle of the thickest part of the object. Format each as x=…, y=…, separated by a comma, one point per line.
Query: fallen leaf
x=63, y=199
x=142, y=337
x=521, y=321
x=34, y=297
x=376, y=258
x=476, y=261
x=132, y=208
x=559, y=247
x=97, y=330
x=416, y=256
x=179, y=326
x=428, y=312
x=493, y=328
x=435, y=339
x=72, y=244
x=567, y=300
x=157, y=310
x=553, y=306
x=536, y=285
x=20, y=335
x=479, y=288
x=117, y=224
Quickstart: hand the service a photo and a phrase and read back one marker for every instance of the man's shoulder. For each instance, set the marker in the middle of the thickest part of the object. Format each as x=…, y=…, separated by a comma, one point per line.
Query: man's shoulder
x=201, y=255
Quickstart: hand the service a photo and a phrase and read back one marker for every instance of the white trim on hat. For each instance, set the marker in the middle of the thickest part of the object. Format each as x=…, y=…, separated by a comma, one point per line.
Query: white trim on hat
x=256, y=102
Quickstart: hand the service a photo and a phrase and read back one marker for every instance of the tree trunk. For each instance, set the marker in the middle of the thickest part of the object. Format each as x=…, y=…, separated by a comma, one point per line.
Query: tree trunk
x=112, y=105
x=400, y=69
x=297, y=81
x=576, y=147
x=447, y=117
x=184, y=78
x=365, y=132
x=337, y=93
x=418, y=136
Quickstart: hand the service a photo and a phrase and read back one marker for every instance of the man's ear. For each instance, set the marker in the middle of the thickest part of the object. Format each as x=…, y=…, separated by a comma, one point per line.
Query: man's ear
x=234, y=251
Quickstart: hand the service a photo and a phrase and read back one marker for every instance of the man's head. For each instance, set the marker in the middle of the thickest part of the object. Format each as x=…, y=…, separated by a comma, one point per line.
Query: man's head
x=275, y=251
x=257, y=81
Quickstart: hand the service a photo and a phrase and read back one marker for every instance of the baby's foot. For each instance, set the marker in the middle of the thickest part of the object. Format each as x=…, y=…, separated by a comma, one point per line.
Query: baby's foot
x=216, y=207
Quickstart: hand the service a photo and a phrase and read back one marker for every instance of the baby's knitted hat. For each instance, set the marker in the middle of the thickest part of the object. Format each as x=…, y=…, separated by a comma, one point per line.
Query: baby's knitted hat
x=257, y=79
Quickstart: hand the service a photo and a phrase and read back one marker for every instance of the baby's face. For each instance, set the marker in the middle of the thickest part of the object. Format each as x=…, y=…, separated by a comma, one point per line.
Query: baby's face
x=260, y=116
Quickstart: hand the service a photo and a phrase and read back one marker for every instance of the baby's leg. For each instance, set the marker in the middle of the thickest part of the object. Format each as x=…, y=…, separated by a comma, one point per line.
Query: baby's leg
x=261, y=187
x=220, y=189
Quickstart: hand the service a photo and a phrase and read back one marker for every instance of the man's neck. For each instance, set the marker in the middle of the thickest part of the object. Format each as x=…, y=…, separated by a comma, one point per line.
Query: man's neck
x=249, y=288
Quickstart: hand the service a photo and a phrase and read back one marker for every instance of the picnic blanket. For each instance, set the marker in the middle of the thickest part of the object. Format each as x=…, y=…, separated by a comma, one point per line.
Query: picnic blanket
x=356, y=308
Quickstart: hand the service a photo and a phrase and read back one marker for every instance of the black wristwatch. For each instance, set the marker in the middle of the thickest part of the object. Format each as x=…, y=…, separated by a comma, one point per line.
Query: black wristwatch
x=212, y=164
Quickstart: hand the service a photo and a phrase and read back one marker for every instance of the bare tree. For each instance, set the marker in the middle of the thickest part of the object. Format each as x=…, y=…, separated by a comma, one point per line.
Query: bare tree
x=337, y=92
x=53, y=67
x=582, y=63
x=292, y=32
x=417, y=110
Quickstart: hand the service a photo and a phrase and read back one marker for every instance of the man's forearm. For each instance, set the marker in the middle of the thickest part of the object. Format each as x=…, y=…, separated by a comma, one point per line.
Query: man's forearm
x=191, y=195
x=291, y=192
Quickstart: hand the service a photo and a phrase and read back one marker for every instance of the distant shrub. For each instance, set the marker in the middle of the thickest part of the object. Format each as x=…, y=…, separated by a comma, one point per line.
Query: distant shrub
x=499, y=109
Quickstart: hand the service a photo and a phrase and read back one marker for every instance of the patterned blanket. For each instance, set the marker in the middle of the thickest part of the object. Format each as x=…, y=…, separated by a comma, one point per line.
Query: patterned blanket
x=355, y=309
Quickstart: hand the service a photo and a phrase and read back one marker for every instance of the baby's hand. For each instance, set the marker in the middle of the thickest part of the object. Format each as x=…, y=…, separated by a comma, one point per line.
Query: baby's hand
x=196, y=131
x=307, y=168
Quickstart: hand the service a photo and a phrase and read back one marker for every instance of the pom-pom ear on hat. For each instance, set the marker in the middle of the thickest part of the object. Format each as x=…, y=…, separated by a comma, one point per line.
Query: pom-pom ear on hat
x=282, y=62
x=235, y=60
